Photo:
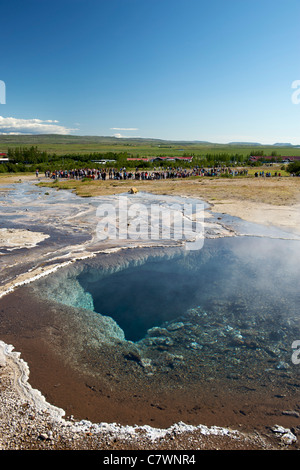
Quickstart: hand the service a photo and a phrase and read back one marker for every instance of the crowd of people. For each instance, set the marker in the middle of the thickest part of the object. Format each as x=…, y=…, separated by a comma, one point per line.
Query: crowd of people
x=267, y=174
x=138, y=174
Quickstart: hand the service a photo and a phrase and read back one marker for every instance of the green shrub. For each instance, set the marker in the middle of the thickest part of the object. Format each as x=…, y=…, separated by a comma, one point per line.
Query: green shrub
x=294, y=168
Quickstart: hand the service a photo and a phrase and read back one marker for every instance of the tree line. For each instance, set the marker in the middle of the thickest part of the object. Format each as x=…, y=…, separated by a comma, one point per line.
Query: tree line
x=28, y=159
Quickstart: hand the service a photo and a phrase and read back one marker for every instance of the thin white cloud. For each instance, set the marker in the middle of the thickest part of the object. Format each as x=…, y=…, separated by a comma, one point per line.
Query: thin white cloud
x=124, y=128
x=11, y=125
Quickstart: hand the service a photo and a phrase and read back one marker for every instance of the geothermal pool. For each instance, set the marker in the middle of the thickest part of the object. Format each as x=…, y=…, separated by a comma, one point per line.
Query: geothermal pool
x=159, y=334
x=228, y=312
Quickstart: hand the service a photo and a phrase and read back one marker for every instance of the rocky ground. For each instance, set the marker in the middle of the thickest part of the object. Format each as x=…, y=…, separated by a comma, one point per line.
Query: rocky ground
x=28, y=422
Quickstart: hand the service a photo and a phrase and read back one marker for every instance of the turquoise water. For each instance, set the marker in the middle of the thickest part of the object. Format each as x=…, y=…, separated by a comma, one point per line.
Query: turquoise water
x=229, y=312
x=251, y=278
x=141, y=298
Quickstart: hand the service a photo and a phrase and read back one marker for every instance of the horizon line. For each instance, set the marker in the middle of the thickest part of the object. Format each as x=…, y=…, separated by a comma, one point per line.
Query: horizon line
x=256, y=143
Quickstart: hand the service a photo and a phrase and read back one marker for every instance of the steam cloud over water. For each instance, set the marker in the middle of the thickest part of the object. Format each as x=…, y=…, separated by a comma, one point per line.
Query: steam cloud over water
x=235, y=301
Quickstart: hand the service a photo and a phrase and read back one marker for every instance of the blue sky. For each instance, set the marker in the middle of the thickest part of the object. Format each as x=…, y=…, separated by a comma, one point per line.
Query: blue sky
x=218, y=70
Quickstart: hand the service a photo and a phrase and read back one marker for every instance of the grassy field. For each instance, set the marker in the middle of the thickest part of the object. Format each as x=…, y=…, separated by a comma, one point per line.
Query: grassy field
x=275, y=191
x=62, y=145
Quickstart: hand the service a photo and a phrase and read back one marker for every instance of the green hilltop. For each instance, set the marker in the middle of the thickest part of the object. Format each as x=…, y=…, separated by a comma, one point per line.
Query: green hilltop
x=74, y=144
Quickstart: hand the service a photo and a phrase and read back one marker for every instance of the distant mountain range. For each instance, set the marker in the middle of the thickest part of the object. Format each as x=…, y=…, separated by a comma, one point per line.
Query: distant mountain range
x=278, y=144
x=284, y=145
